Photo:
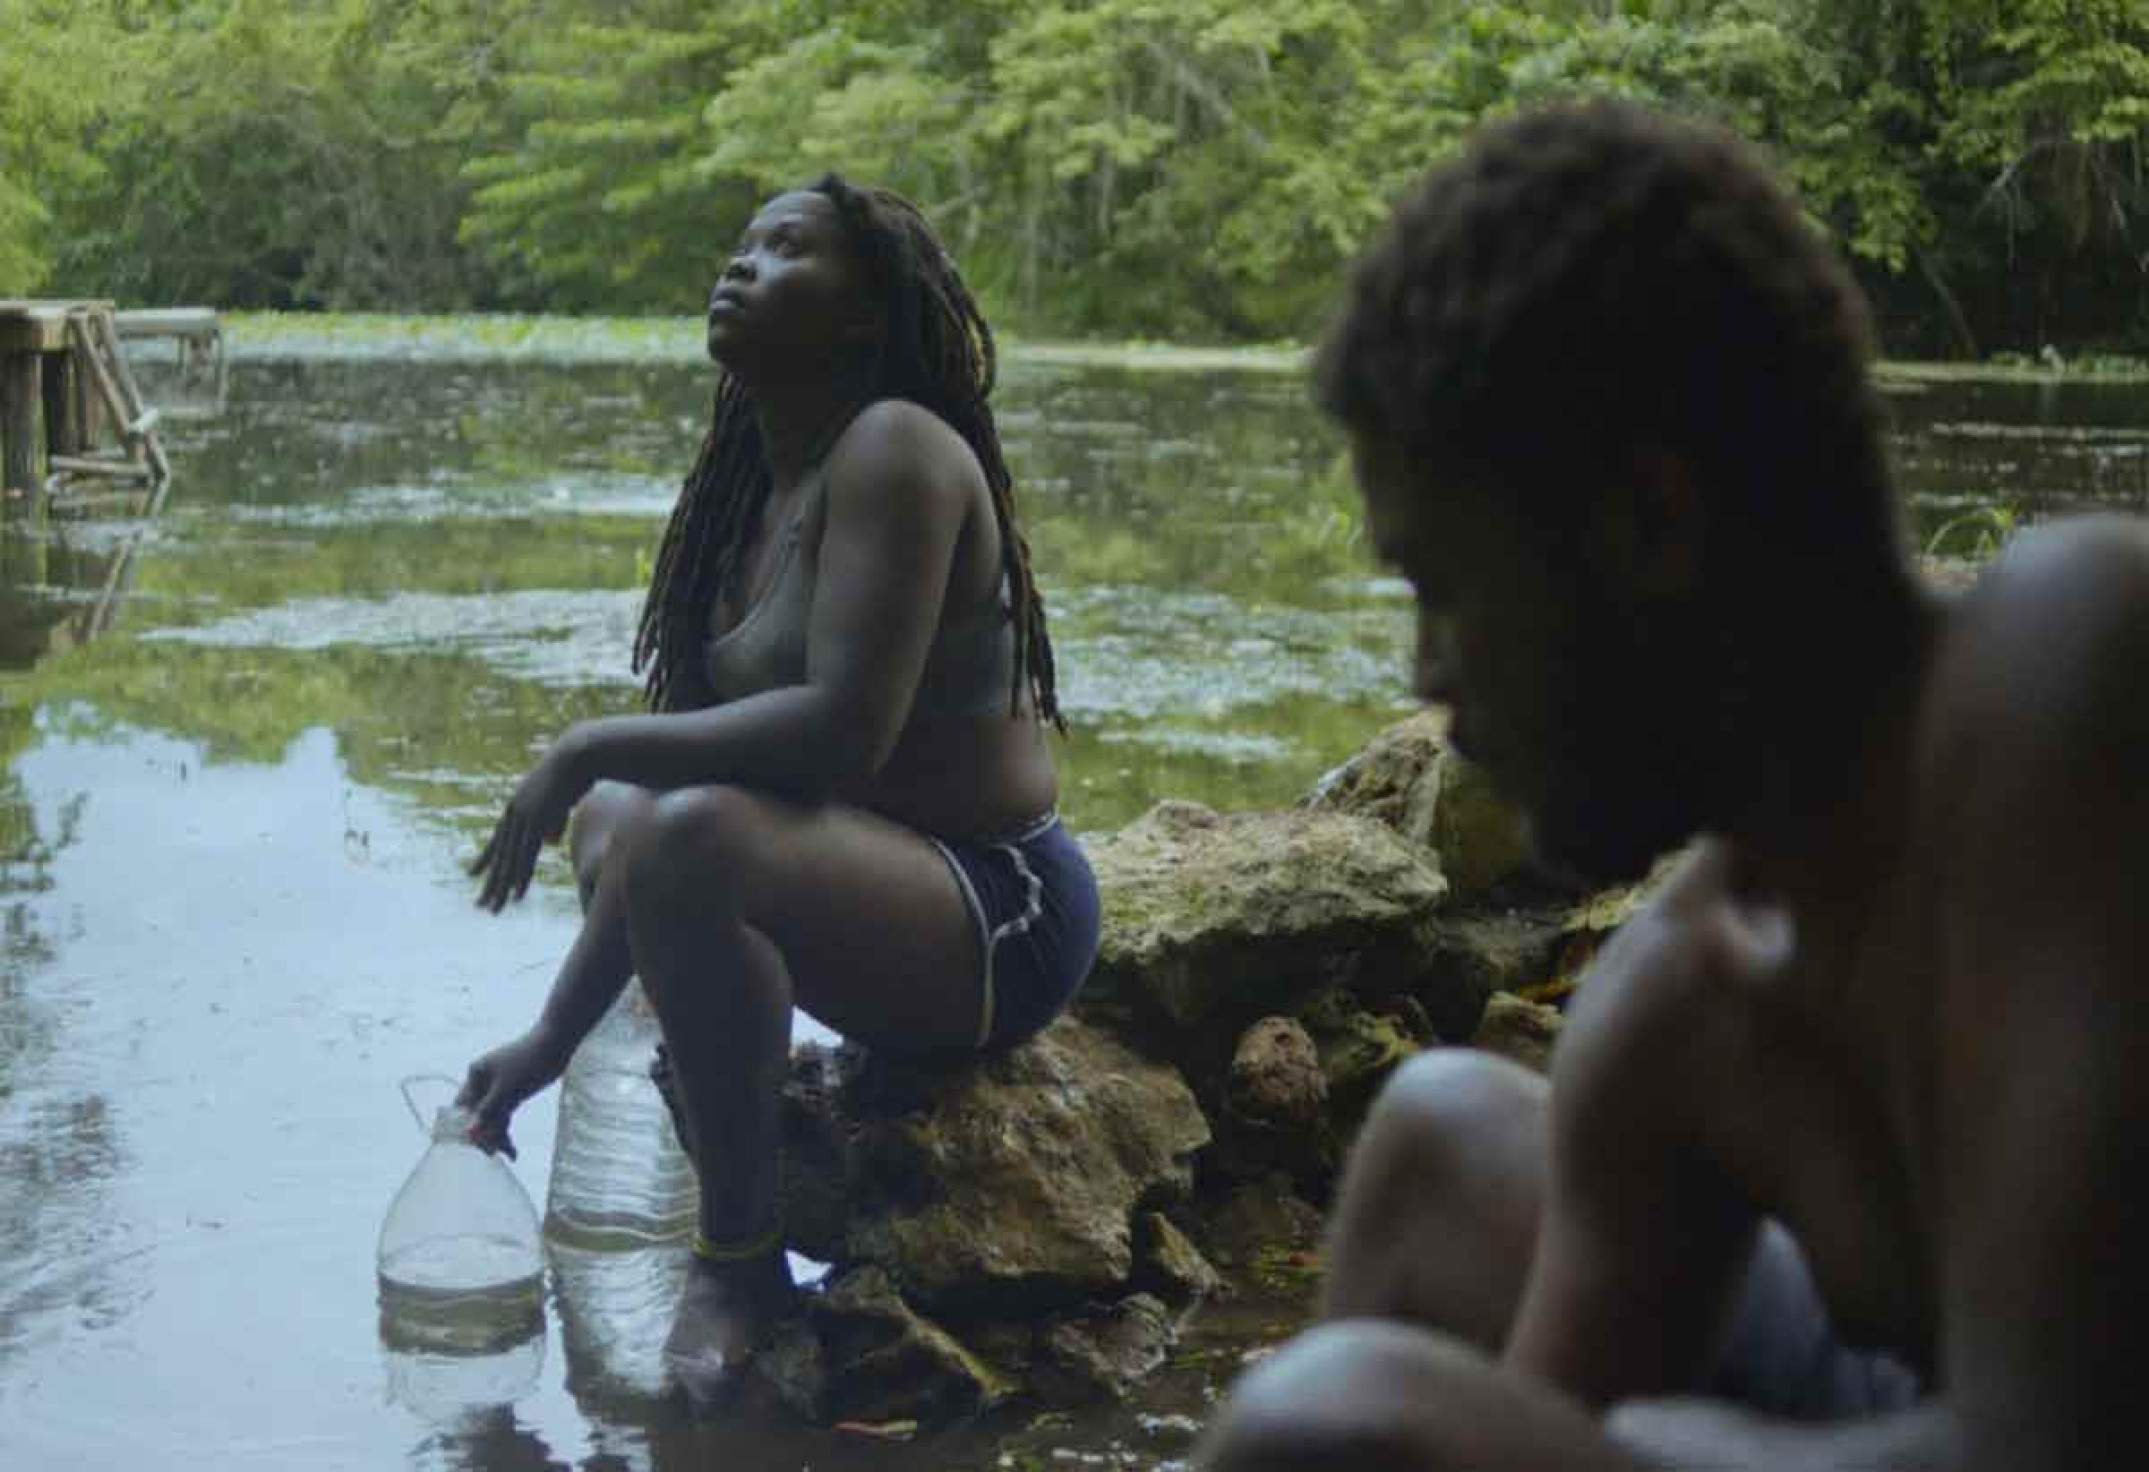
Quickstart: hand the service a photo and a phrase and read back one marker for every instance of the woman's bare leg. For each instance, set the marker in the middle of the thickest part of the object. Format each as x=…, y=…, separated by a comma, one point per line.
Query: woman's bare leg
x=1436, y=1216
x=1380, y=1396
x=739, y=905
x=589, y=980
x=1434, y=1227
x=595, y=824
x=598, y=964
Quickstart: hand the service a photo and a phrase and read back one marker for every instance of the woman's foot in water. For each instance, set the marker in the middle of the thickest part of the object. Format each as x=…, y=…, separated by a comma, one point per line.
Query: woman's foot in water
x=725, y=1313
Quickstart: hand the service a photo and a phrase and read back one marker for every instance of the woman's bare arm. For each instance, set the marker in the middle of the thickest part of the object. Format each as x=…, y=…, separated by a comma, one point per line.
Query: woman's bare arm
x=899, y=486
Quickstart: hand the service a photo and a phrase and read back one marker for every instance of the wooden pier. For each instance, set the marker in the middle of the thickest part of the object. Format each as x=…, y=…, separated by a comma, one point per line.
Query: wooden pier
x=198, y=331
x=70, y=410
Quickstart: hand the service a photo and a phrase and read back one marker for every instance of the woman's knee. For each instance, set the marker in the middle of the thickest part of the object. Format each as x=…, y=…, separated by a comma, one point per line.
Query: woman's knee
x=595, y=823
x=1440, y=1200
x=1343, y=1395
x=702, y=846
x=1445, y=1111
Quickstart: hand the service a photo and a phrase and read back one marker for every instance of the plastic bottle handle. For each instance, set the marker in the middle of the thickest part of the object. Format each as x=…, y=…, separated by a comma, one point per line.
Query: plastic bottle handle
x=424, y=1125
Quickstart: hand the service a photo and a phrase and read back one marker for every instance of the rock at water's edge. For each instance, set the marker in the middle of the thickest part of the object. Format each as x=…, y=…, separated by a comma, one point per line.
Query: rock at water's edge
x=1169, y=1265
x=1276, y=1075
x=1410, y=779
x=1358, y=1050
x=1215, y=919
x=1520, y=1030
x=1103, y=1354
x=1256, y=1218
x=879, y=1360
x=1002, y=1189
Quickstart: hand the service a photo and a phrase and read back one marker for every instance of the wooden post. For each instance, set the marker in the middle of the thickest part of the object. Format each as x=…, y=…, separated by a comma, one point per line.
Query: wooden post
x=21, y=457
x=89, y=408
x=63, y=419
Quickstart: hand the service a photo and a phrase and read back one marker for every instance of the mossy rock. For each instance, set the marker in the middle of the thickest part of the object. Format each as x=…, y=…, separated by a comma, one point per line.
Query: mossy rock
x=1215, y=919
x=1002, y=1188
x=1409, y=779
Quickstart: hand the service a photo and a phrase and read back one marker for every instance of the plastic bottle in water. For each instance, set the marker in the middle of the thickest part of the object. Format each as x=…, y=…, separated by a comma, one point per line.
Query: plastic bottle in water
x=615, y=1308
x=462, y=1226
x=619, y=1178
x=461, y=1275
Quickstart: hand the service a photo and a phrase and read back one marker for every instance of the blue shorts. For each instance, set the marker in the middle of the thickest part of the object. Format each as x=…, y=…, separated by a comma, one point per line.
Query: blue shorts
x=1784, y=1357
x=1034, y=900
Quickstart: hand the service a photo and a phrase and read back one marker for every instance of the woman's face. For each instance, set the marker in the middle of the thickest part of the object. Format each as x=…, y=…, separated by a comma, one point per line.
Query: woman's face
x=792, y=288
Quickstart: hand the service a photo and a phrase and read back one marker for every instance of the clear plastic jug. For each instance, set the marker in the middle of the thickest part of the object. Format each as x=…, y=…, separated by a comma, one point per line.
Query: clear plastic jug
x=615, y=1307
x=455, y=1386
x=459, y=1250
x=619, y=1179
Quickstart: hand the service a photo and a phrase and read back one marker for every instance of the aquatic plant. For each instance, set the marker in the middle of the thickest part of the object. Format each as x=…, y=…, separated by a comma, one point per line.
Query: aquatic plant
x=1986, y=527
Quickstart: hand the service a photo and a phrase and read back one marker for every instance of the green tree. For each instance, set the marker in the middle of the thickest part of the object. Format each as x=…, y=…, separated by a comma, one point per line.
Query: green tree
x=1191, y=168
x=49, y=83
x=269, y=153
x=595, y=190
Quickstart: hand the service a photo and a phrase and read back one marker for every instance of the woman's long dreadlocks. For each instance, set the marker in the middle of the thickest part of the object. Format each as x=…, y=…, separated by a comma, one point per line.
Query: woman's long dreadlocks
x=937, y=351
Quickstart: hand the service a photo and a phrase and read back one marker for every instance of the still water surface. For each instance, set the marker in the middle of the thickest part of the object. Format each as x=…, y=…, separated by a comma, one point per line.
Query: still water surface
x=247, y=750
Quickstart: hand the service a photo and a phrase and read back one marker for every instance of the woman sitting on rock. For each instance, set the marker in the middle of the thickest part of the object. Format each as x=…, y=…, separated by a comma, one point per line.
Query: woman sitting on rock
x=843, y=799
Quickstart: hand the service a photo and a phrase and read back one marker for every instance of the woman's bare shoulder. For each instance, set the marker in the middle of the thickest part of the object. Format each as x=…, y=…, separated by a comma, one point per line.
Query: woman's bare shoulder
x=2048, y=647
x=903, y=439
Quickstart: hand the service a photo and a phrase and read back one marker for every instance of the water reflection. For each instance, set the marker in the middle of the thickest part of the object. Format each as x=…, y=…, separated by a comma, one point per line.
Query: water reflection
x=615, y=1307
x=59, y=1147
x=2033, y=450
x=58, y=1156
x=58, y=591
x=455, y=1386
x=491, y=1440
x=454, y=542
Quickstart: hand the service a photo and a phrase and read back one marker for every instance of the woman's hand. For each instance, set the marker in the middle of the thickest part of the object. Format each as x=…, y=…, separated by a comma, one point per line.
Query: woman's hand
x=500, y=1080
x=535, y=816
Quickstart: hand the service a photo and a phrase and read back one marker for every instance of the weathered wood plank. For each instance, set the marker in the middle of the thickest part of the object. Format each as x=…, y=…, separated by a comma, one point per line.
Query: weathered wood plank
x=91, y=353
x=115, y=359
x=109, y=469
x=29, y=325
x=194, y=322
x=140, y=428
x=63, y=419
x=20, y=401
x=72, y=501
x=32, y=332
x=89, y=404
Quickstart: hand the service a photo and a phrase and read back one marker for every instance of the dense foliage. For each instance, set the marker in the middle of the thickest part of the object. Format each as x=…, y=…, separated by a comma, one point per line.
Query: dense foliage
x=1191, y=168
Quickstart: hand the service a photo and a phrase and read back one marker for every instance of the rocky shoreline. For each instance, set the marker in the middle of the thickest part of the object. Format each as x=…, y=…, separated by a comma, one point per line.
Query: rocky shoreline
x=1036, y=1229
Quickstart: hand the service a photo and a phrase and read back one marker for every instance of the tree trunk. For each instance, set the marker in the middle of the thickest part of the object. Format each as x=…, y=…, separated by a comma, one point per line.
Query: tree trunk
x=1958, y=322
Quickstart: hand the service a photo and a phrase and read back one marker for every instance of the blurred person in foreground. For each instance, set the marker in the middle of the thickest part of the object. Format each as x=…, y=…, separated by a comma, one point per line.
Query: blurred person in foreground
x=1841, y=1163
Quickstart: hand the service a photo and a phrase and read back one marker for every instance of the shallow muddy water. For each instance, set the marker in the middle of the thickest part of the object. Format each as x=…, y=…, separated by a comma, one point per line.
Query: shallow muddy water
x=248, y=748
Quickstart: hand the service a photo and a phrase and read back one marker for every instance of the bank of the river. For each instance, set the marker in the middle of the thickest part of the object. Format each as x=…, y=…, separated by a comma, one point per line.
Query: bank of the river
x=364, y=336
x=567, y=339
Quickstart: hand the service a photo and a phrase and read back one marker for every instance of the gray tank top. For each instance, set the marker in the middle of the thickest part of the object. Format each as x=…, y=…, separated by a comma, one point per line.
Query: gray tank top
x=968, y=670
